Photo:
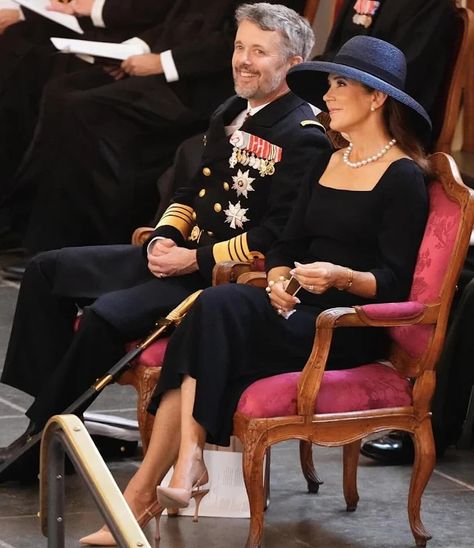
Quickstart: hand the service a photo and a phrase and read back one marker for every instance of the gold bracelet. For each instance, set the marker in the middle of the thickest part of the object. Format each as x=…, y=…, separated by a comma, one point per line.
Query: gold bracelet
x=350, y=279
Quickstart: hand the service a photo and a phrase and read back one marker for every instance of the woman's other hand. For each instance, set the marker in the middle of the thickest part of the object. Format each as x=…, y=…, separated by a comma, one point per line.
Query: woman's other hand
x=279, y=298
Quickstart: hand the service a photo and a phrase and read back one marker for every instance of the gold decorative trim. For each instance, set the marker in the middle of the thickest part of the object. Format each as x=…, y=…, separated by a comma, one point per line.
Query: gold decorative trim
x=179, y=216
x=235, y=249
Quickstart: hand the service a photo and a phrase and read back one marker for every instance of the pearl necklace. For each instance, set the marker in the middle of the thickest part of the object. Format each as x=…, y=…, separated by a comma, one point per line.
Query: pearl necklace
x=370, y=159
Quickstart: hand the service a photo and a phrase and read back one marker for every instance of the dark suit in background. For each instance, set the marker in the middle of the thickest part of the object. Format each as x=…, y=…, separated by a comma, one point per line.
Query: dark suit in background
x=28, y=60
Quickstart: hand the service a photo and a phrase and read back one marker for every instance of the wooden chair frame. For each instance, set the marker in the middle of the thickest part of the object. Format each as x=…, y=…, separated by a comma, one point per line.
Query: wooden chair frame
x=347, y=429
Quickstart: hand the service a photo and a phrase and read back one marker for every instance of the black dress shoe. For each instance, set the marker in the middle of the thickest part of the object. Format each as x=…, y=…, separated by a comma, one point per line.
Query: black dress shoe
x=394, y=448
x=24, y=468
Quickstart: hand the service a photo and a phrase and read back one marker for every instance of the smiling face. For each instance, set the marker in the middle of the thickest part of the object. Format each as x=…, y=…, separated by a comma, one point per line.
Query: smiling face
x=349, y=103
x=259, y=65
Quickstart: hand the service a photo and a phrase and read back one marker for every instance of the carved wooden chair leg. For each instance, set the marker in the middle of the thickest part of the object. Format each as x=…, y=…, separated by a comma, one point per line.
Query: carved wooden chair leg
x=307, y=466
x=423, y=466
x=253, y=455
x=350, y=457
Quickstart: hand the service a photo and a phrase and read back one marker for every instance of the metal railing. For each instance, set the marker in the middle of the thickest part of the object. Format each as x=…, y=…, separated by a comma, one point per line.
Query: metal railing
x=66, y=434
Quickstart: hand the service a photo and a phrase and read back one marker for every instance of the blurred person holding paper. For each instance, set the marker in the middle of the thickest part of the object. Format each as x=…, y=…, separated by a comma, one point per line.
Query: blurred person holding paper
x=28, y=60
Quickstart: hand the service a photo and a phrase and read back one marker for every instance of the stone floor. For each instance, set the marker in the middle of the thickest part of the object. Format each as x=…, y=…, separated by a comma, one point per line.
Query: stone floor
x=294, y=517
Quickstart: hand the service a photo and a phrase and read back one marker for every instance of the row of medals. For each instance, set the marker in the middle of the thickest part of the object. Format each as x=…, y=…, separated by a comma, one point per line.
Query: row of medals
x=265, y=167
x=362, y=19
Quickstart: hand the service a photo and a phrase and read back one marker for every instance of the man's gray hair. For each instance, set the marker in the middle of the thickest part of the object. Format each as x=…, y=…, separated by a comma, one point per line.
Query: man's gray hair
x=298, y=36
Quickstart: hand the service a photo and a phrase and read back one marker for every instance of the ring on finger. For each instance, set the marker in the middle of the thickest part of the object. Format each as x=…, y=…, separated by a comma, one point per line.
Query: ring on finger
x=280, y=311
x=311, y=287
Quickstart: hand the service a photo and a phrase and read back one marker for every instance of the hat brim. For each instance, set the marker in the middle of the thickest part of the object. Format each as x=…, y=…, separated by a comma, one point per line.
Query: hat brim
x=309, y=81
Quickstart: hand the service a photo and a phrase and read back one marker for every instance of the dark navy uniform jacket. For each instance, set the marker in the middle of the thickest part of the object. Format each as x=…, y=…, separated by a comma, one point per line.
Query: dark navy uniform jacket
x=228, y=212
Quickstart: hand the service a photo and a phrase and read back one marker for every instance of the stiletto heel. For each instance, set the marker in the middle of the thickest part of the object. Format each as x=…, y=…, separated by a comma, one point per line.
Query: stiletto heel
x=198, y=496
x=103, y=537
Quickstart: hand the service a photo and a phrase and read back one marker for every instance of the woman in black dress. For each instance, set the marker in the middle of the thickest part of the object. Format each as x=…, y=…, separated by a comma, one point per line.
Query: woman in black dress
x=352, y=239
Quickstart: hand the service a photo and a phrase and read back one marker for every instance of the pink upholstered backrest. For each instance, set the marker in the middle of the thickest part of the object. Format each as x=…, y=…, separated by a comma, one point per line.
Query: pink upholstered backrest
x=432, y=265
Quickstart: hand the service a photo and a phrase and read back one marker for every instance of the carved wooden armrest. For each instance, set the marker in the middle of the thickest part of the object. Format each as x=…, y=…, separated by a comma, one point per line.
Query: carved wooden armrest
x=229, y=271
x=141, y=234
x=373, y=315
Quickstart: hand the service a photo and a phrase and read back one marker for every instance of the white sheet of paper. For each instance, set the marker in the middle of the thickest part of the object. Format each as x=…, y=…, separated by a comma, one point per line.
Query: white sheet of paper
x=39, y=6
x=97, y=49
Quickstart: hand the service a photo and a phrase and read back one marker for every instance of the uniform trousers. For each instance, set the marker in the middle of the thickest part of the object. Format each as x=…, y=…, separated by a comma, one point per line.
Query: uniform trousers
x=54, y=363
x=89, y=176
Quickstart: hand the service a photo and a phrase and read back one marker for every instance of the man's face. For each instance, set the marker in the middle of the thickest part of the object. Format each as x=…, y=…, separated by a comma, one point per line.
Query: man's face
x=258, y=64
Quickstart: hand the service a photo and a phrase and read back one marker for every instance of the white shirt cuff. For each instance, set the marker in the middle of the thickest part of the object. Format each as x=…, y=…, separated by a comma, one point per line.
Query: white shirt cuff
x=96, y=13
x=169, y=67
x=152, y=242
x=138, y=42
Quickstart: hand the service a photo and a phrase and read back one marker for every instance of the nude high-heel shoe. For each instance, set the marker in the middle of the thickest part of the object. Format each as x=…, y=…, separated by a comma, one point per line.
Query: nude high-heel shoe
x=103, y=537
x=178, y=497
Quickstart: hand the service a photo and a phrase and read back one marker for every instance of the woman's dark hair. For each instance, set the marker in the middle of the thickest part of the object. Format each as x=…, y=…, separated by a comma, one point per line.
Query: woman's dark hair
x=401, y=123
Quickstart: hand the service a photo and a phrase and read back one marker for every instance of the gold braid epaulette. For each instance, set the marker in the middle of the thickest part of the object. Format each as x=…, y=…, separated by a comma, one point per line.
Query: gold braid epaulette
x=179, y=216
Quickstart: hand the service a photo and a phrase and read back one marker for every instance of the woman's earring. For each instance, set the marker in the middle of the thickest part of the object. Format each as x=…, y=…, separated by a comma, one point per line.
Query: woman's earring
x=372, y=109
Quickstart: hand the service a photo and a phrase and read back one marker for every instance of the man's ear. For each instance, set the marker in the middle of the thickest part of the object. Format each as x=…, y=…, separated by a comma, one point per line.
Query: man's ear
x=295, y=60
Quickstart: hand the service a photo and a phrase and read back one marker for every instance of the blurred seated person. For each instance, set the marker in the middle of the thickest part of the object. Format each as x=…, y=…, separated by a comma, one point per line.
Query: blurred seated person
x=258, y=146
x=28, y=60
x=454, y=381
x=414, y=26
x=352, y=238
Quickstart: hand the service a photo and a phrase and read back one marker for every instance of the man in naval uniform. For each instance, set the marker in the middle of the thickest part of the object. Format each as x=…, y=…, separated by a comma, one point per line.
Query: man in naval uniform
x=258, y=147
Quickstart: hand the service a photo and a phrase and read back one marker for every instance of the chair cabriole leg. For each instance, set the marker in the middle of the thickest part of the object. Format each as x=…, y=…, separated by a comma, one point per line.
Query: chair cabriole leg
x=307, y=466
x=350, y=453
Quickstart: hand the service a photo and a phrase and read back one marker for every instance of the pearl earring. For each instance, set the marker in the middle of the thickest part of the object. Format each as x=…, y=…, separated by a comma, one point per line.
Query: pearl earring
x=372, y=109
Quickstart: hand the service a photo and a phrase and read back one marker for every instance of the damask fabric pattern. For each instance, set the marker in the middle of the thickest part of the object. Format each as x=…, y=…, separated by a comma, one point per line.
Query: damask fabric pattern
x=440, y=234
x=371, y=386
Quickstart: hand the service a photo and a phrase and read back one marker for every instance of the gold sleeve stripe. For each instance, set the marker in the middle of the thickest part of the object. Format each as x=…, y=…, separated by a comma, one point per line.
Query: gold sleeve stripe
x=178, y=216
x=235, y=249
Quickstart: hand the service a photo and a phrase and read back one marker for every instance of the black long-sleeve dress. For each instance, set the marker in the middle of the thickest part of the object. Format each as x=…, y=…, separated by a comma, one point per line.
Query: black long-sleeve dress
x=233, y=336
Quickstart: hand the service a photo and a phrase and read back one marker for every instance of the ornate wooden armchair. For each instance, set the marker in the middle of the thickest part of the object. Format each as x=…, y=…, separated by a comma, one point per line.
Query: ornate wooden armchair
x=339, y=408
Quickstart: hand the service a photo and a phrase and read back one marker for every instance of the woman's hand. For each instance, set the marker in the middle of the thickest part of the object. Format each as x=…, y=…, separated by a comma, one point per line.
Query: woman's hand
x=318, y=277
x=279, y=298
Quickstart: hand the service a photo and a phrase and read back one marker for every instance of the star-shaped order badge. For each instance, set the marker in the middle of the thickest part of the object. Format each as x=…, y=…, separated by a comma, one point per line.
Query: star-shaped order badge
x=243, y=183
x=236, y=215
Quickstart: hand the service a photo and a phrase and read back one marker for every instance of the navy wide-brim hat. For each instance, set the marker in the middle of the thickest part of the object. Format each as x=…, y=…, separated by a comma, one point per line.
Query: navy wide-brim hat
x=368, y=60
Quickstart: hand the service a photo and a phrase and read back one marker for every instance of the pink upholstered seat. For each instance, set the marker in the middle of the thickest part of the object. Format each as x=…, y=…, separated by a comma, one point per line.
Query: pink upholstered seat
x=371, y=386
